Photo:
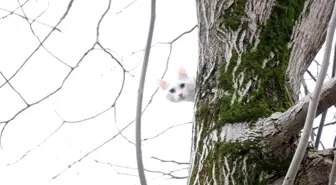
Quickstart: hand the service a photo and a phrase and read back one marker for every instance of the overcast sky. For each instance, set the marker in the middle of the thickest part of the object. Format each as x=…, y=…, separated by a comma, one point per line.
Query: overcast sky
x=92, y=88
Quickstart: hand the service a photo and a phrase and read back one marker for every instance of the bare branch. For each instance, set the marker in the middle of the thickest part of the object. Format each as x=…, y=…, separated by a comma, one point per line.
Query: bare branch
x=97, y=37
x=140, y=96
x=311, y=75
x=147, y=105
x=17, y=92
x=66, y=77
x=327, y=124
x=170, y=161
x=313, y=133
x=178, y=37
x=39, y=40
x=317, y=63
x=320, y=129
x=118, y=166
x=42, y=99
x=151, y=171
x=107, y=109
x=115, y=59
x=126, y=7
x=115, y=122
x=34, y=20
x=157, y=135
x=119, y=131
x=170, y=42
x=44, y=141
x=13, y=12
x=38, y=47
x=170, y=173
x=301, y=149
x=279, y=128
x=91, y=151
x=52, y=93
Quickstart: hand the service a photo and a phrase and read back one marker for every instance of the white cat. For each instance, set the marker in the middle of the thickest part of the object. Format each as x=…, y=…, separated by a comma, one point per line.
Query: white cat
x=183, y=89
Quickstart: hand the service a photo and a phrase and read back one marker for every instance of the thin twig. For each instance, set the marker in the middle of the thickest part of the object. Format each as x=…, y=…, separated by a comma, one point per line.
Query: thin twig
x=126, y=7
x=116, y=124
x=141, y=171
x=169, y=42
x=40, y=45
x=12, y=12
x=170, y=161
x=151, y=171
x=323, y=148
x=25, y=62
x=17, y=92
x=91, y=151
x=320, y=129
x=32, y=149
x=327, y=124
x=311, y=75
x=303, y=143
x=157, y=135
x=39, y=40
x=170, y=173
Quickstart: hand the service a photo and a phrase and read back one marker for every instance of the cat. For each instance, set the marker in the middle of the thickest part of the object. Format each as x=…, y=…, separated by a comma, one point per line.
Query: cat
x=182, y=89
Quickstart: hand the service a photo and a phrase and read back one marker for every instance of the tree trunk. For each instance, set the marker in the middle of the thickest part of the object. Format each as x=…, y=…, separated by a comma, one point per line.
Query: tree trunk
x=252, y=57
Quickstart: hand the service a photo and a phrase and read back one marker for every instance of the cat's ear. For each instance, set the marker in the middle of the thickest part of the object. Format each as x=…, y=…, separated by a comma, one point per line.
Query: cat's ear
x=182, y=73
x=161, y=83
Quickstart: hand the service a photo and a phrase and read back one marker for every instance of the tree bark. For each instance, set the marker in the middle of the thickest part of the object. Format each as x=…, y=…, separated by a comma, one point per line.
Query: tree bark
x=252, y=56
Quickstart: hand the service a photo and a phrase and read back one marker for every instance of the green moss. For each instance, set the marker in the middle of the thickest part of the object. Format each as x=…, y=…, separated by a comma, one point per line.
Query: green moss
x=232, y=16
x=267, y=94
x=204, y=115
x=268, y=63
x=239, y=156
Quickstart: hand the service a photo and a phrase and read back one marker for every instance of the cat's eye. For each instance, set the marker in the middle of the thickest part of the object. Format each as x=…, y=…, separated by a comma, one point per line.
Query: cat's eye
x=172, y=90
x=182, y=86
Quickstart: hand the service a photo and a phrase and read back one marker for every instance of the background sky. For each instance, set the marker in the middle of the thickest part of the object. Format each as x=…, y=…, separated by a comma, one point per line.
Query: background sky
x=45, y=141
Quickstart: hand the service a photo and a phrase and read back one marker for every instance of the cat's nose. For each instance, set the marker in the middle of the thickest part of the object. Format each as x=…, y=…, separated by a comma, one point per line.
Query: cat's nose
x=180, y=95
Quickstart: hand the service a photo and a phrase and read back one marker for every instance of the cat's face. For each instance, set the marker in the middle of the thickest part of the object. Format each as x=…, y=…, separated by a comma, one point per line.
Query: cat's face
x=180, y=90
x=177, y=91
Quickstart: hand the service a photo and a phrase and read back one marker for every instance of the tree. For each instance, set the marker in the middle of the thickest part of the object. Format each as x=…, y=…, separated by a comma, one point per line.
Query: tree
x=252, y=57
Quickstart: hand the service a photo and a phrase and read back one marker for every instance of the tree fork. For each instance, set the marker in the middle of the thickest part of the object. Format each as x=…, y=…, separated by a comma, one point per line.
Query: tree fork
x=252, y=56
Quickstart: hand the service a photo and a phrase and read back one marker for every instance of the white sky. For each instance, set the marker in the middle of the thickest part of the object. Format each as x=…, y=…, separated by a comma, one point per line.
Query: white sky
x=91, y=89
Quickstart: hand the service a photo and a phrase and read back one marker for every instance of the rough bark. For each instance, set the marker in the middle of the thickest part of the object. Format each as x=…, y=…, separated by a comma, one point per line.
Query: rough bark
x=252, y=56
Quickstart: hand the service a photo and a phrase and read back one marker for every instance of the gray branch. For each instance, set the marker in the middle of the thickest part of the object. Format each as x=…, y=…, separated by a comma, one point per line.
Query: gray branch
x=280, y=127
x=141, y=170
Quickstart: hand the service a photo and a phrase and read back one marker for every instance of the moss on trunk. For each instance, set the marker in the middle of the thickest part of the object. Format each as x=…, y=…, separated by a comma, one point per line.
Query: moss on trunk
x=264, y=67
x=263, y=70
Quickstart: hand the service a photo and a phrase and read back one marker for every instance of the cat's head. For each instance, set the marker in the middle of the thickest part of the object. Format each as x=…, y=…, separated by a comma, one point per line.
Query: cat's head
x=179, y=90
